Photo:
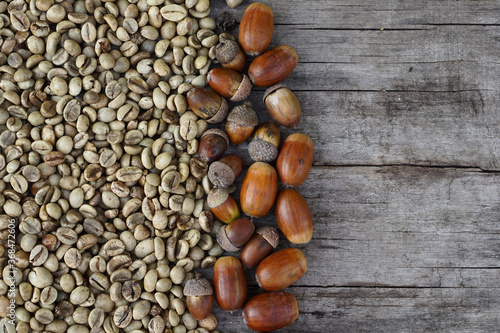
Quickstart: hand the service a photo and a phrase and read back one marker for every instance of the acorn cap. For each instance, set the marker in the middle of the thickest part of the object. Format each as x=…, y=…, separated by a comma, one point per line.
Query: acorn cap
x=243, y=115
x=243, y=90
x=221, y=113
x=216, y=131
x=198, y=286
x=217, y=197
x=224, y=242
x=262, y=151
x=226, y=51
x=272, y=89
x=270, y=234
x=220, y=174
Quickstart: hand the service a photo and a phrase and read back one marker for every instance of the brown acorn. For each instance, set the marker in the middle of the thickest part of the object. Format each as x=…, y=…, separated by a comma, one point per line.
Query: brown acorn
x=199, y=297
x=229, y=55
x=265, y=143
x=229, y=83
x=281, y=269
x=293, y=216
x=295, y=159
x=273, y=66
x=223, y=172
x=259, y=189
x=213, y=144
x=241, y=122
x=256, y=29
x=230, y=284
x=283, y=105
x=259, y=246
x=233, y=236
x=270, y=311
x=207, y=104
x=223, y=205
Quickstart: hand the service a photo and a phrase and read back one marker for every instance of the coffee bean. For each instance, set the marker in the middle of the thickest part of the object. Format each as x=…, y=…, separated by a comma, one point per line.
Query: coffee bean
x=72, y=110
x=122, y=316
x=79, y=295
x=66, y=236
x=96, y=318
x=92, y=172
x=19, y=21
x=99, y=281
x=131, y=291
x=54, y=158
x=39, y=255
x=73, y=258
x=129, y=174
x=113, y=247
x=174, y=13
x=19, y=183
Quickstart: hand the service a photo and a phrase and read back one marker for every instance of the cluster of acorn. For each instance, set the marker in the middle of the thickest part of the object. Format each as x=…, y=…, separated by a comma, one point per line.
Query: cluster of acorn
x=272, y=309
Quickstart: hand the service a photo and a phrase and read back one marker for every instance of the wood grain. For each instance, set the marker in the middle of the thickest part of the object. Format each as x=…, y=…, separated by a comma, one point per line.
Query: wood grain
x=401, y=101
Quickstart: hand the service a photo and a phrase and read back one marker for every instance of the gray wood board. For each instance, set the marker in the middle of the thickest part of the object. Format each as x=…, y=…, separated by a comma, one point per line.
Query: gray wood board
x=405, y=190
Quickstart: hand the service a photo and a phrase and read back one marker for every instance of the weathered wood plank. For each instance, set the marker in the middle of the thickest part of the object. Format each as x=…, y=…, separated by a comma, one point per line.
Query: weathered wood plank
x=346, y=310
x=395, y=249
x=359, y=14
x=427, y=239
x=417, y=128
x=441, y=108
x=396, y=226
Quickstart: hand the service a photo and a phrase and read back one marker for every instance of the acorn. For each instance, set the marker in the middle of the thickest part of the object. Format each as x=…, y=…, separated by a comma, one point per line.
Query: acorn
x=199, y=297
x=207, y=104
x=229, y=83
x=223, y=205
x=295, y=159
x=229, y=55
x=293, y=216
x=223, y=172
x=240, y=123
x=259, y=246
x=273, y=66
x=259, y=189
x=213, y=144
x=233, y=236
x=283, y=105
x=256, y=29
x=265, y=143
x=270, y=311
x=281, y=269
x=230, y=284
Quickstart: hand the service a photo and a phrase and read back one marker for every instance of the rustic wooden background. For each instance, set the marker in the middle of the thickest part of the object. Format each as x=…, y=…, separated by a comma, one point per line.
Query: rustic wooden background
x=401, y=100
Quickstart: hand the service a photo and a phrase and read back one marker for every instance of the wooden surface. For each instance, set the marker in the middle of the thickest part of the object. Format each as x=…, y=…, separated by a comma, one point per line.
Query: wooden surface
x=401, y=100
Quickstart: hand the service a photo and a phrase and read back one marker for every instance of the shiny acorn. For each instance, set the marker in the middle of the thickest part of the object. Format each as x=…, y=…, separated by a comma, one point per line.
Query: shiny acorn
x=223, y=172
x=283, y=105
x=259, y=246
x=295, y=159
x=230, y=284
x=240, y=123
x=259, y=189
x=230, y=55
x=199, y=297
x=223, y=206
x=265, y=143
x=256, y=29
x=233, y=236
x=229, y=83
x=273, y=66
x=270, y=311
x=281, y=269
x=214, y=142
x=207, y=104
x=293, y=216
